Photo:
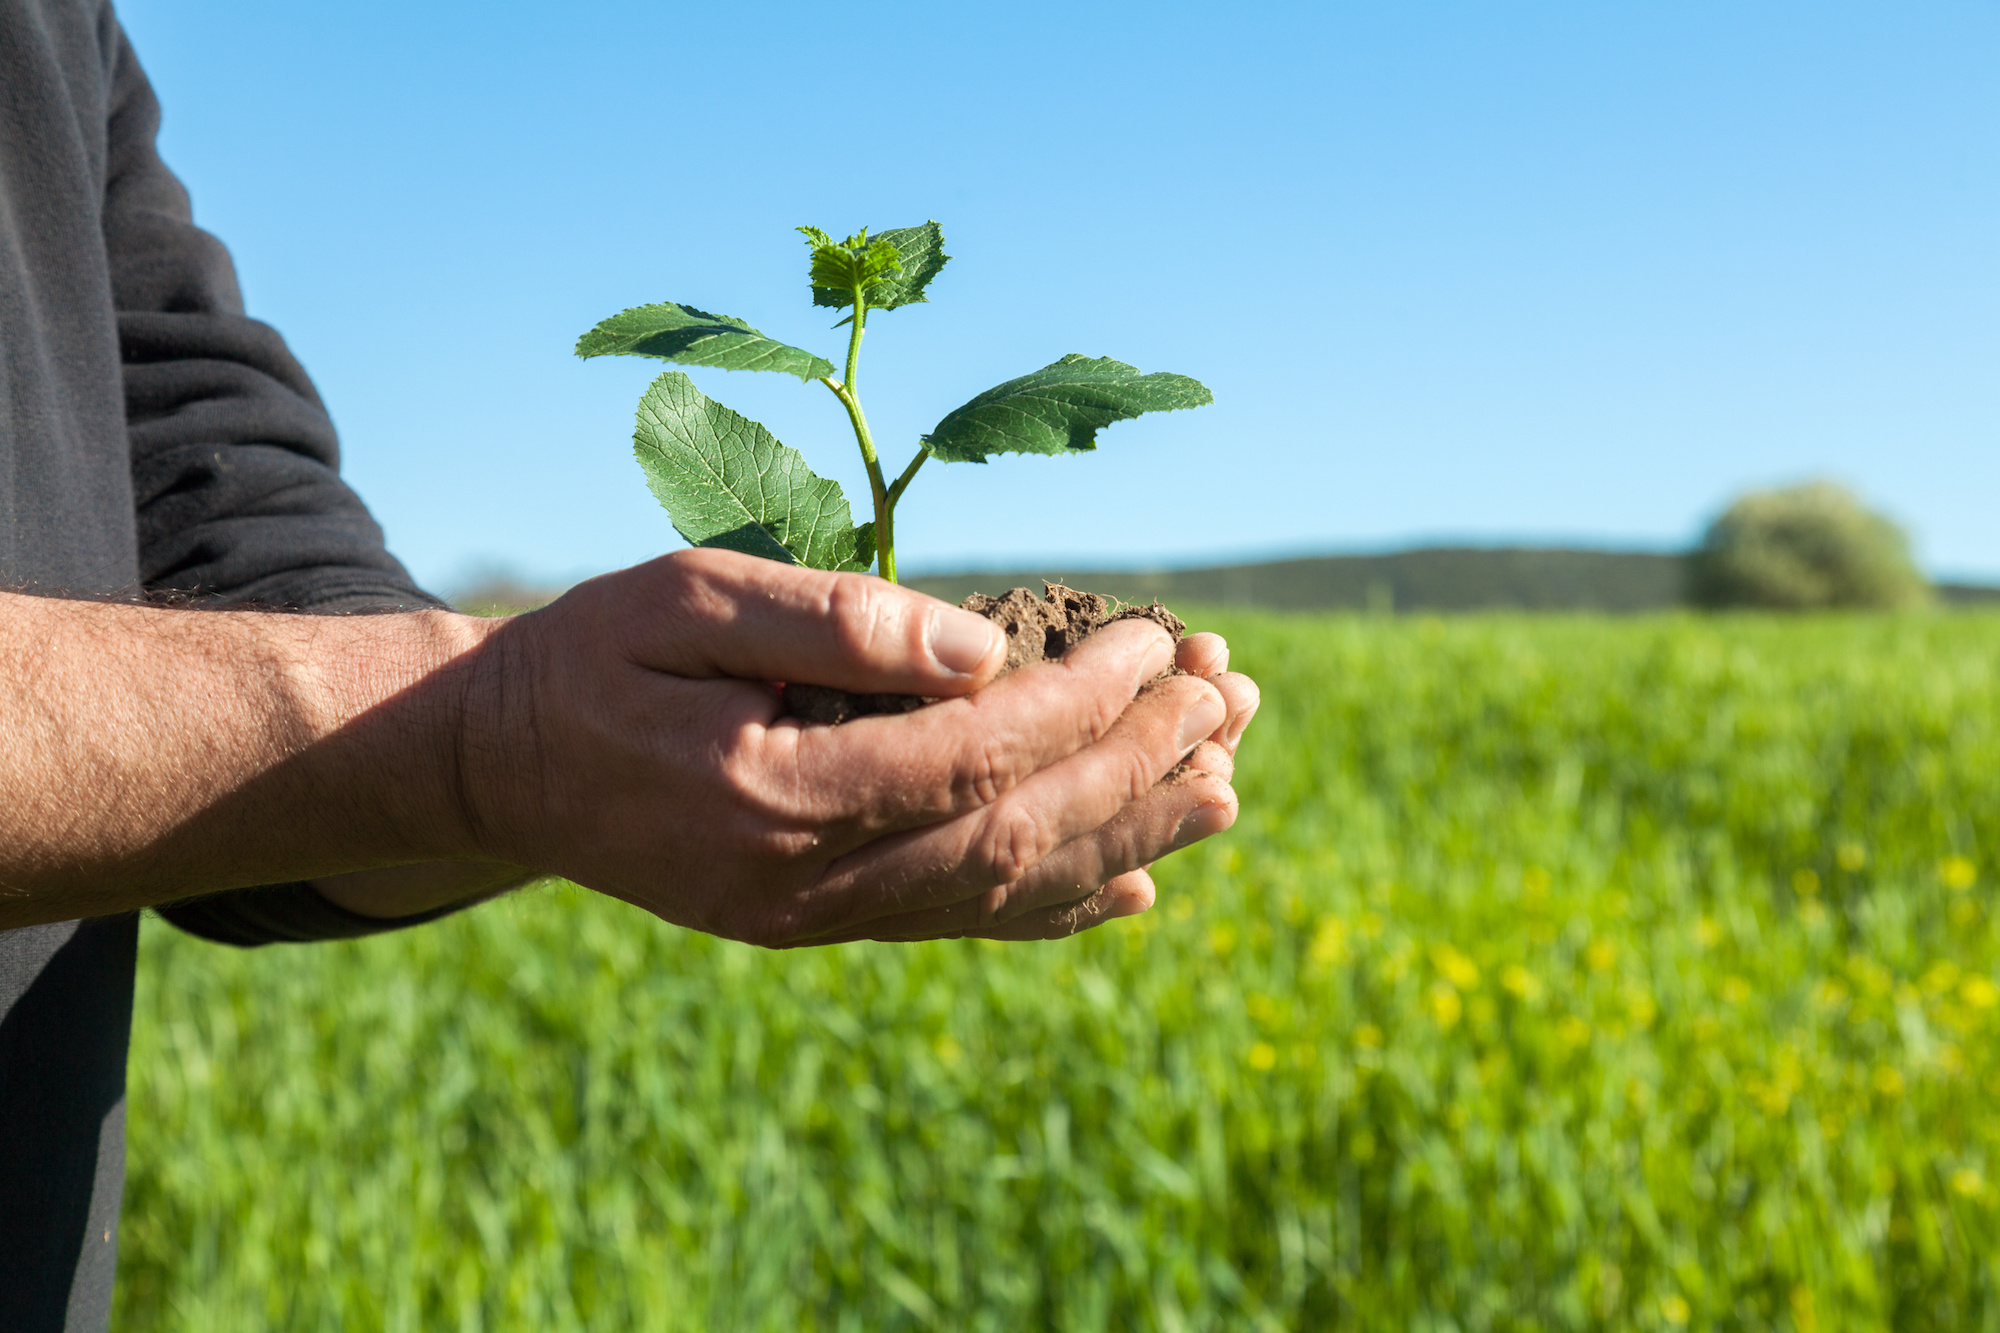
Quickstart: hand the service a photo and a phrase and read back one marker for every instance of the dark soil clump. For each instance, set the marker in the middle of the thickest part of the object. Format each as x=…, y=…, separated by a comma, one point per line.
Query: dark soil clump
x=1039, y=629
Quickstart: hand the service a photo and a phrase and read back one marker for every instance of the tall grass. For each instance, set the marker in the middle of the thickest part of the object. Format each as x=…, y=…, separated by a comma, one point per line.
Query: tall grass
x=1560, y=974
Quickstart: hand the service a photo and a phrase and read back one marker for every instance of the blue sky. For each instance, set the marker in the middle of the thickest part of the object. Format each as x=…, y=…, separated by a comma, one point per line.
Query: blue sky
x=1488, y=272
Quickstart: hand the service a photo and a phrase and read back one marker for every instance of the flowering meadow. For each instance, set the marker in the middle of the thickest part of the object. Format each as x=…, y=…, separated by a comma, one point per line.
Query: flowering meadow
x=1561, y=973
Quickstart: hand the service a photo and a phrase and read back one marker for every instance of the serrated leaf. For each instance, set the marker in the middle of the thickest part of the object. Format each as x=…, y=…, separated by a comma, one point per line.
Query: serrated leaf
x=921, y=257
x=726, y=481
x=856, y=262
x=1058, y=409
x=690, y=337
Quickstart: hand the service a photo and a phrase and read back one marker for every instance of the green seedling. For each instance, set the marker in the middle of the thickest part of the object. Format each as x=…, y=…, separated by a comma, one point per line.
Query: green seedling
x=726, y=481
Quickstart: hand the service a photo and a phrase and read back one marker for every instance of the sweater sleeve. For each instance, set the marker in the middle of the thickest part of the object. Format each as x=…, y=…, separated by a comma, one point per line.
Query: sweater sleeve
x=235, y=465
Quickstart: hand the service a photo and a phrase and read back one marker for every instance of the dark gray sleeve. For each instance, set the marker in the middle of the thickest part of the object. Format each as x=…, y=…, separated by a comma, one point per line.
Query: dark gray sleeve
x=235, y=466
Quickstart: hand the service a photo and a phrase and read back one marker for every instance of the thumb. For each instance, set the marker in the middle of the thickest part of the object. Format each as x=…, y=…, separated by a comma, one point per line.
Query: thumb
x=708, y=612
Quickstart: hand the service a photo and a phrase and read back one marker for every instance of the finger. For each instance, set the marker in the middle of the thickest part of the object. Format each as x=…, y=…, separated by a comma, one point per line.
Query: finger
x=874, y=775
x=708, y=612
x=1001, y=842
x=1243, y=697
x=1190, y=805
x=1128, y=895
x=1202, y=655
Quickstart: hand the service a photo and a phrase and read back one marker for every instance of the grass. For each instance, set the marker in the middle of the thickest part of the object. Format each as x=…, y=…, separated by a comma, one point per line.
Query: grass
x=1562, y=973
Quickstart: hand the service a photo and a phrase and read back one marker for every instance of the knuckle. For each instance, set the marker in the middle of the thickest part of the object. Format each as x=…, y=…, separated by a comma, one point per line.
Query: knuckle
x=691, y=586
x=989, y=772
x=744, y=783
x=1106, y=706
x=1010, y=846
x=1141, y=771
x=858, y=615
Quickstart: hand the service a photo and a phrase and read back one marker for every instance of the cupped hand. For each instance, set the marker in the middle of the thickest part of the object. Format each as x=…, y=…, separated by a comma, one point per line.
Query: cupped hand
x=627, y=737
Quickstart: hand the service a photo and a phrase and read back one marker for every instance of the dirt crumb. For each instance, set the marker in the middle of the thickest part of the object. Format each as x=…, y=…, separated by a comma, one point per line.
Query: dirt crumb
x=1038, y=629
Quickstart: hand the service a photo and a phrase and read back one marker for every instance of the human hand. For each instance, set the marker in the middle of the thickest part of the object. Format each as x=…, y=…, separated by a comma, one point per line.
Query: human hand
x=624, y=737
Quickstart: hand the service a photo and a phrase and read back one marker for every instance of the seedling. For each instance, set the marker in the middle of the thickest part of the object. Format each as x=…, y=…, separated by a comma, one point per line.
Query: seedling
x=726, y=481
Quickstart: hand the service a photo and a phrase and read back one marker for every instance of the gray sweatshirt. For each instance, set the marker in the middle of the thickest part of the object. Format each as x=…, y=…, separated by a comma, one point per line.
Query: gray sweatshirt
x=154, y=442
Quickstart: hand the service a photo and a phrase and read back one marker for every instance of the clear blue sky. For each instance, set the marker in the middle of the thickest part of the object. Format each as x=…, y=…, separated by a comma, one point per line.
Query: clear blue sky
x=1529, y=271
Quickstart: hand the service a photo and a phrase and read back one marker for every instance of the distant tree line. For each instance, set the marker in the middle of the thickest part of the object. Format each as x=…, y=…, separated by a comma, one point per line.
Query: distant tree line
x=1803, y=548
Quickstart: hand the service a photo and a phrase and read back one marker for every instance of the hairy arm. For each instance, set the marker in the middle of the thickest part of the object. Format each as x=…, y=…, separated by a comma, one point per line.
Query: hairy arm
x=152, y=754
x=623, y=737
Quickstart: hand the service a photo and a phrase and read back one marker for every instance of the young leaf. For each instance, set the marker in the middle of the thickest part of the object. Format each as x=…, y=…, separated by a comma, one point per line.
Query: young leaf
x=842, y=266
x=693, y=337
x=920, y=257
x=1057, y=408
x=726, y=481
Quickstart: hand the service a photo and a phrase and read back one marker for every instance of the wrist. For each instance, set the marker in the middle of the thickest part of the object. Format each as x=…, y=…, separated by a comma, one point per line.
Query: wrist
x=401, y=701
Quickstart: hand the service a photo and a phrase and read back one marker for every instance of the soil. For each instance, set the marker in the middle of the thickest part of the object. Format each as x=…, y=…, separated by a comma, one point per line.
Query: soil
x=1039, y=629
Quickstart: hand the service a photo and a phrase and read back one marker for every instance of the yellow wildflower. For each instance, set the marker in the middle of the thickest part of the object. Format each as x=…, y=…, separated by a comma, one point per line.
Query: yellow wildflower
x=1519, y=982
x=1461, y=971
x=1444, y=1004
x=1329, y=943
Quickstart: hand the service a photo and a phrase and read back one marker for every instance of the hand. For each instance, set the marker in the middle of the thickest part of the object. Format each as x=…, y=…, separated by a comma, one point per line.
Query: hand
x=624, y=737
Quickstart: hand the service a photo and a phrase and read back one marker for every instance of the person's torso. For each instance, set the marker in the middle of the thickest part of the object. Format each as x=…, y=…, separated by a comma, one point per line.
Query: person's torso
x=66, y=520
x=66, y=527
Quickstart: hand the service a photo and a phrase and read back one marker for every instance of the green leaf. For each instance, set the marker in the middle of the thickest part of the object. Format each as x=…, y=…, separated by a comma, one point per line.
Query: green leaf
x=1057, y=409
x=844, y=266
x=726, y=481
x=919, y=255
x=693, y=337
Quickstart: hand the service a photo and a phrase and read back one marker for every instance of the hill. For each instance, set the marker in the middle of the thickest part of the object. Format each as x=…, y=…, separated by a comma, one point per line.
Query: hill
x=1434, y=579
x=1427, y=579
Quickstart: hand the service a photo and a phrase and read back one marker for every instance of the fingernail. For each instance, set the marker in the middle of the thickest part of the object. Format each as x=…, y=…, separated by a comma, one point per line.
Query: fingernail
x=1127, y=904
x=1204, y=821
x=961, y=640
x=1221, y=663
x=1201, y=720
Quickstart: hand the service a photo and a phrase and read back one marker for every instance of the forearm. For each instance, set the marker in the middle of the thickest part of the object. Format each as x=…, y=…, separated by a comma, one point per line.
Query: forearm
x=148, y=755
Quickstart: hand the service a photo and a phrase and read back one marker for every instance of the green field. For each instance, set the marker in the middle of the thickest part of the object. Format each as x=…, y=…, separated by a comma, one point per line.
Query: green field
x=1561, y=973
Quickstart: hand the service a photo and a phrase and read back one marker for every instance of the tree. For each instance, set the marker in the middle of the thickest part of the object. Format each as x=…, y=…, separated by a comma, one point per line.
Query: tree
x=1805, y=548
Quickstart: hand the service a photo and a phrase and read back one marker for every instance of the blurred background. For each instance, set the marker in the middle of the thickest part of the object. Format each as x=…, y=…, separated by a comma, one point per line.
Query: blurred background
x=1538, y=274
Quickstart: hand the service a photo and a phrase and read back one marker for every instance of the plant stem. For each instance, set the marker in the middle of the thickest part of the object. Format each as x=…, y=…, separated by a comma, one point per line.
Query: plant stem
x=885, y=503
x=902, y=483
